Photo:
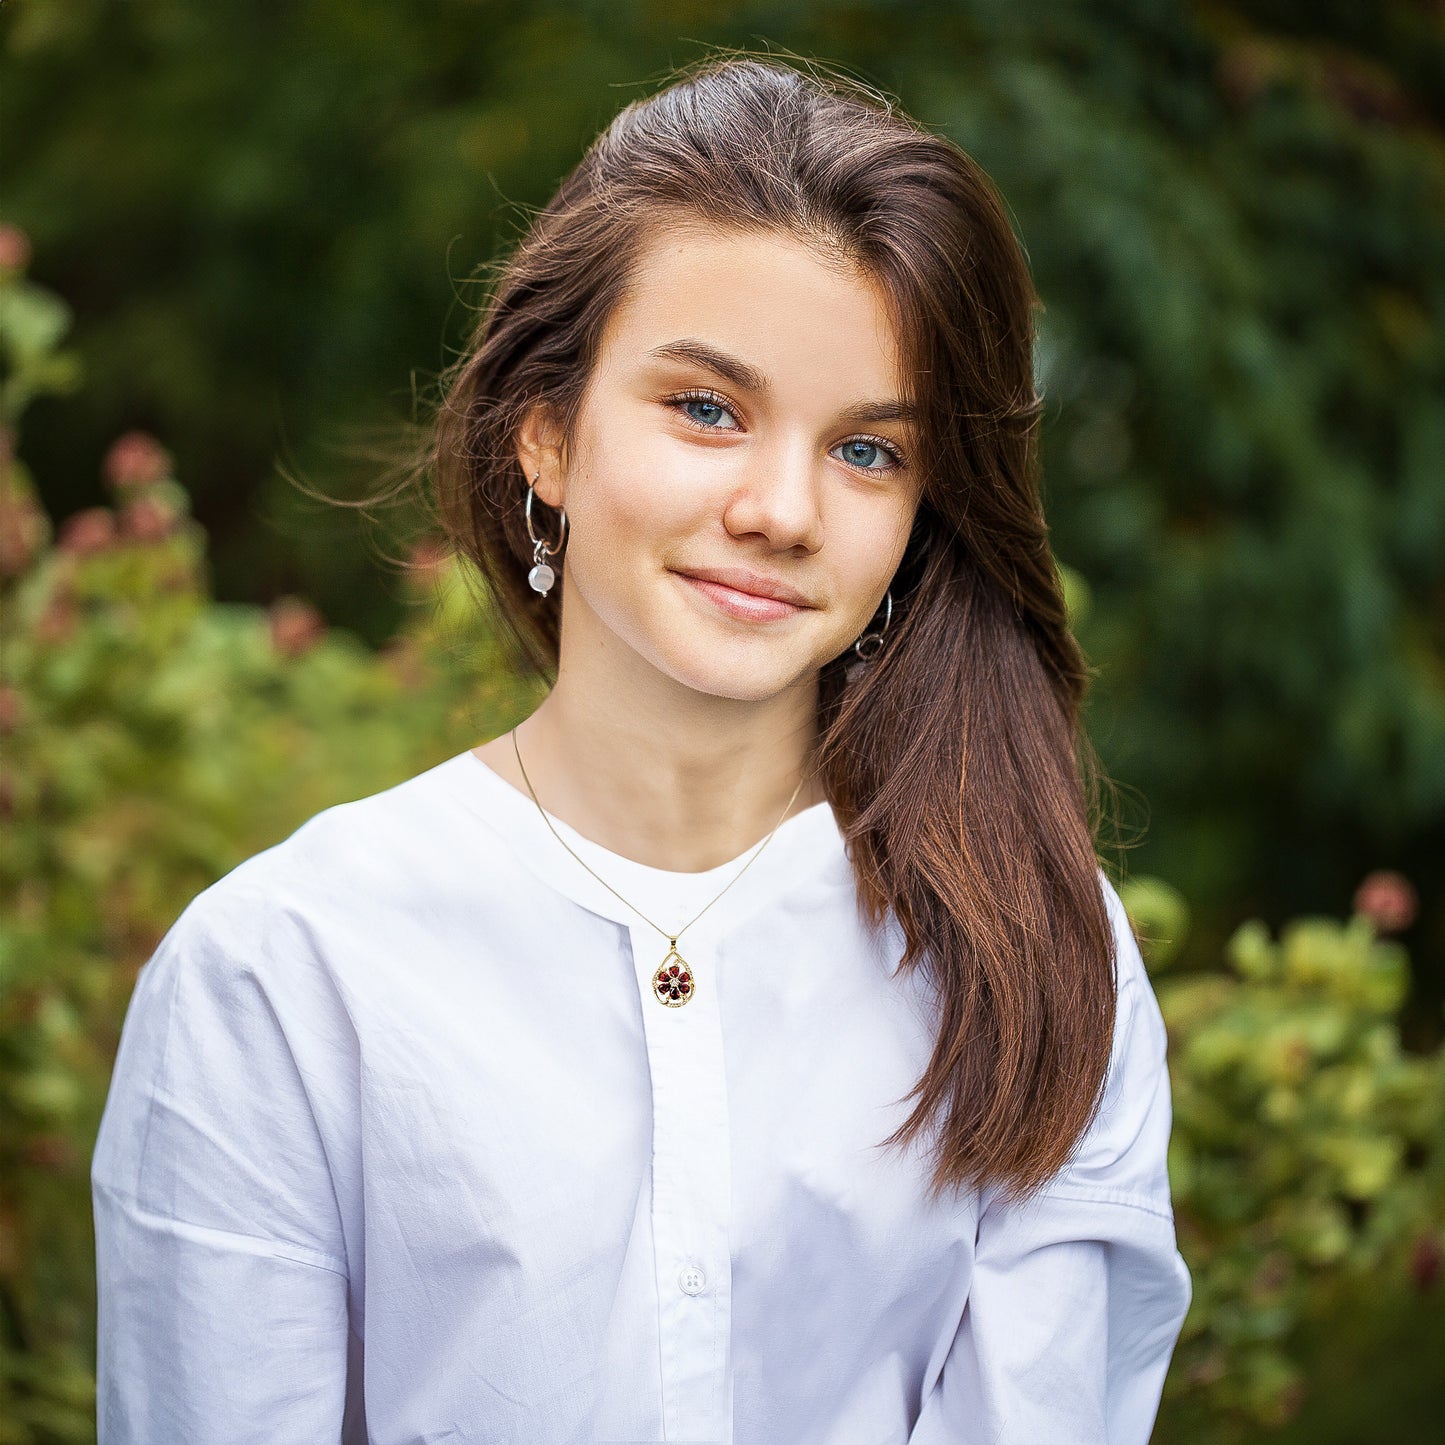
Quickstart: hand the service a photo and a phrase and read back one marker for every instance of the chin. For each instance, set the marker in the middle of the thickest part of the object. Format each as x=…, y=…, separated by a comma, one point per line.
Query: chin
x=750, y=676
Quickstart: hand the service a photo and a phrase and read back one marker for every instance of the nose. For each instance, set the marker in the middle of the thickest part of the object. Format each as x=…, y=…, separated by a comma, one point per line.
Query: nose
x=777, y=497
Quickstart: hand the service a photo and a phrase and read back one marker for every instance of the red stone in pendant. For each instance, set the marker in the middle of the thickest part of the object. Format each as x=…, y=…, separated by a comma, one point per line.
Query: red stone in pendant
x=672, y=983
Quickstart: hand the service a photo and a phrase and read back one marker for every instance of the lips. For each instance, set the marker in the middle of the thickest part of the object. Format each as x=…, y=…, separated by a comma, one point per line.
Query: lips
x=753, y=584
x=743, y=606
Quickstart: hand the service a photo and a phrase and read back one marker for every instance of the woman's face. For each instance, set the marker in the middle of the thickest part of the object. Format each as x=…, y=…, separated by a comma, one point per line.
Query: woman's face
x=746, y=419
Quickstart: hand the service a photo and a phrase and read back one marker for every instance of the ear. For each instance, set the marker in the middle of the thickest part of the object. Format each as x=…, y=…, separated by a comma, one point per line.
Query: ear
x=539, y=450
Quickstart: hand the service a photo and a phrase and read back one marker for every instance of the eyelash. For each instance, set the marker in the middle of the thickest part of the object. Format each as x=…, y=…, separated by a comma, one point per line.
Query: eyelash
x=678, y=400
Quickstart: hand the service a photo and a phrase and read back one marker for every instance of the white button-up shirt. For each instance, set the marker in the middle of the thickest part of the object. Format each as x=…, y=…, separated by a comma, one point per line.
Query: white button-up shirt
x=401, y=1147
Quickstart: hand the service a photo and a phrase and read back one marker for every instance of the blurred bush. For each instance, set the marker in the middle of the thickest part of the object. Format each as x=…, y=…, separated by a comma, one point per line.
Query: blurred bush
x=1308, y=1154
x=154, y=737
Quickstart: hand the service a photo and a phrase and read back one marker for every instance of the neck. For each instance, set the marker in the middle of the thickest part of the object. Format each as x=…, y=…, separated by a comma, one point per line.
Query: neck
x=687, y=784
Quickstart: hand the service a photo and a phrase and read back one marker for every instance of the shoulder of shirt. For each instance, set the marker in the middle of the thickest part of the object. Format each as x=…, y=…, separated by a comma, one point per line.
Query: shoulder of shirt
x=382, y=850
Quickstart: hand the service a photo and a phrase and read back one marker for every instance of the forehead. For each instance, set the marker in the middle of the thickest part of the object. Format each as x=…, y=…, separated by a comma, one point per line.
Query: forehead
x=814, y=324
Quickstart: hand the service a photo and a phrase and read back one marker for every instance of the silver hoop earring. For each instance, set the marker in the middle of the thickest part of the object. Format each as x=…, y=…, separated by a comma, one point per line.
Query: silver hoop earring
x=541, y=577
x=870, y=644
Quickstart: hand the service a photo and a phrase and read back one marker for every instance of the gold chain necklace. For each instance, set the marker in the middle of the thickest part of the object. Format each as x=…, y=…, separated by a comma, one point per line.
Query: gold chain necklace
x=672, y=982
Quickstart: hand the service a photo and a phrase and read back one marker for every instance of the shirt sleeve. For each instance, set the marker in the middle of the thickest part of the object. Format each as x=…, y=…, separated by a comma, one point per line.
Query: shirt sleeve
x=221, y=1270
x=1079, y=1295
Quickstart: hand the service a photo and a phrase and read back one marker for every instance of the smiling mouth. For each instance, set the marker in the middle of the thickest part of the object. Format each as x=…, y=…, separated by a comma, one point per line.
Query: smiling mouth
x=745, y=606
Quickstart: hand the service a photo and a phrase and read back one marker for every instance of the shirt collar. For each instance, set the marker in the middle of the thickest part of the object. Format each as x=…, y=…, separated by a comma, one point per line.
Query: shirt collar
x=805, y=844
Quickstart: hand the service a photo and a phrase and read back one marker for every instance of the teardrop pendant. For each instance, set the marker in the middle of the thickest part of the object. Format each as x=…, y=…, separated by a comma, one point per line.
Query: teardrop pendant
x=672, y=983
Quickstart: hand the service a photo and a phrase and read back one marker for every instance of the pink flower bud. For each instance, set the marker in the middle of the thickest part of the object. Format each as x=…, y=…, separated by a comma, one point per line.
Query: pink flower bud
x=134, y=460
x=1388, y=899
x=148, y=519
x=427, y=561
x=296, y=626
x=22, y=531
x=92, y=530
x=14, y=248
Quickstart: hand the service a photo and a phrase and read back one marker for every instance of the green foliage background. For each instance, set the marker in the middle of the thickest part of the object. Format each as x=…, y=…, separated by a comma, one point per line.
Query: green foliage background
x=263, y=217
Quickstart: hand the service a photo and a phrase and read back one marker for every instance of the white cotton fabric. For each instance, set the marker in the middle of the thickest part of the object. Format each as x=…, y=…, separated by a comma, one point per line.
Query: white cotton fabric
x=400, y=1148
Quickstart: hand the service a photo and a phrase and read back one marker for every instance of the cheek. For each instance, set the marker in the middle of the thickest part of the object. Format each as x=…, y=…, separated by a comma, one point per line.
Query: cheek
x=870, y=551
x=623, y=517
x=638, y=492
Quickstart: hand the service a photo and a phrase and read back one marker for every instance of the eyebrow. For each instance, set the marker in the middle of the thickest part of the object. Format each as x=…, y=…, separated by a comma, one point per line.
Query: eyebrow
x=746, y=376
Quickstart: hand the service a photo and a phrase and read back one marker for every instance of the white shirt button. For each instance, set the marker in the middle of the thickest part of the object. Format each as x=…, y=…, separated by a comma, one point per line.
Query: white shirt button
x=691, y=1280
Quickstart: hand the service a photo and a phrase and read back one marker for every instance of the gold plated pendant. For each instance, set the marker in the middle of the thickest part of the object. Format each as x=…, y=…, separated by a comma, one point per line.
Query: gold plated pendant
x=672, y=983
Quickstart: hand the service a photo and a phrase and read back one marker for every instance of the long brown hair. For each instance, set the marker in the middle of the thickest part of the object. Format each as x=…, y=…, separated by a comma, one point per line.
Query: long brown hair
x=955, y=761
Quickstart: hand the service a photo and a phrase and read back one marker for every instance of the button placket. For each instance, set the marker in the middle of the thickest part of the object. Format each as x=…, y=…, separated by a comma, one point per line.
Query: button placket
x=691, y=1192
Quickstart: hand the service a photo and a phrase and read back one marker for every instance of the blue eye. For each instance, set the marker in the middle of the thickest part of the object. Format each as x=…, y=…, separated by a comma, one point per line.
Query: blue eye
x=862, y=452
x=701, y=409
x=707, y=411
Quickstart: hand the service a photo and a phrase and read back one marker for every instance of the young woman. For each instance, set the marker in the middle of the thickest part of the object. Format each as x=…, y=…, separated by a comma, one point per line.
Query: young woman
x=562, y=1092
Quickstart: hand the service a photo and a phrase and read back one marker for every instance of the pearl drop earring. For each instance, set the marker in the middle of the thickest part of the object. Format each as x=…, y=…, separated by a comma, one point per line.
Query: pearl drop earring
x=542, y=576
